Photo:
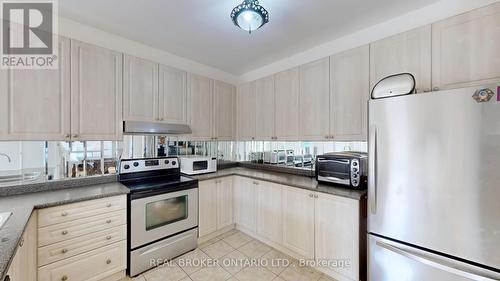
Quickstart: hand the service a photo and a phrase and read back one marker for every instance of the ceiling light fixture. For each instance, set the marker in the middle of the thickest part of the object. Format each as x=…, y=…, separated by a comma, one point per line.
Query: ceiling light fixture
x=249, y=15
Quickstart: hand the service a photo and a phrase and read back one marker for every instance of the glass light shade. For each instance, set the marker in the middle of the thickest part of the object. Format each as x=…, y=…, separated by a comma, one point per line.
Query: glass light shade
x=249, y=20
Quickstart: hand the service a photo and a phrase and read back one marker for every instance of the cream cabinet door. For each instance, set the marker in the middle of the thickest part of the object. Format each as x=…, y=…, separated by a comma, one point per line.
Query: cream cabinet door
x=200, y=96
x=224, y=202
x=24, y=264
x=172, y=95
x=140, y=89
x=465, y=49
x=264, y=108
x=269, y=211
x=298, y=221
x=246, y=111
x=245, y=203
x=35, y=104
x=314, y=100
x=337, y=232
x=350, y=91
x=96, y=92
x=207, y=207
x=286, y=85
x=406, y=52
x=224, y=107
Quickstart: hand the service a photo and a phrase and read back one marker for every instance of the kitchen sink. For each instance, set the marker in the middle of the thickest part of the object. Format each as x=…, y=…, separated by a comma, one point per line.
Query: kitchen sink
x=4, y=217
x=31, y=176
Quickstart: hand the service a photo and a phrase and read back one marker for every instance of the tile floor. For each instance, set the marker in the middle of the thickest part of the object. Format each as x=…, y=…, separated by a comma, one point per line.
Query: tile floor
x=232, y=256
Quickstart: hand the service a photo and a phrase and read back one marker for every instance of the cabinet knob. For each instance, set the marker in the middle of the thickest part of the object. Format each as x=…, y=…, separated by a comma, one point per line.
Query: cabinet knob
x=64, y=214
x=108, y=205
x=108, y=261
x=256, y=182
x=21, y=242
x=64, y=278
x=311, y=195
x=67, y=136
x=64, y=232
x=316, y=196
x=435, y=89
x=108, y=221
x=75, y=136
x=64, y=251
x=108, y=237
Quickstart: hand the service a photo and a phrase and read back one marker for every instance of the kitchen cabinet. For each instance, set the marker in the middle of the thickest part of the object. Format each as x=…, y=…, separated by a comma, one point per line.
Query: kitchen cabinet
x=200, y=96
x=35, y=104
x=264, y=108
x=286, y=85
x=246, y=111
x=96, y=92
x=207, y=207
x=269, y=211
x=224, y=108
x=406, y=52
x=298, y=221
x=172, y=95
x=314, y=100
x=140, y=89
x=336, y=234
x=245, y=203
x=24, y=263
x=465, y=49
x=350, y=91
x=225, y=216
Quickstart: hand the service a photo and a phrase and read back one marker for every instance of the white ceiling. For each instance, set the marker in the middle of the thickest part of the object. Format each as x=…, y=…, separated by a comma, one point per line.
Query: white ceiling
x=201, y=30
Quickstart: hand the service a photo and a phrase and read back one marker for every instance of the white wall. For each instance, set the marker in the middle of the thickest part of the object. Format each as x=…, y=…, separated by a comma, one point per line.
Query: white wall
x=75, y=30
x=427, y=15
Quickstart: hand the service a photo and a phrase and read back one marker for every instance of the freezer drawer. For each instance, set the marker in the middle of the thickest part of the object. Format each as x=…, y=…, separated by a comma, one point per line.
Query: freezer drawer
x=390, y=261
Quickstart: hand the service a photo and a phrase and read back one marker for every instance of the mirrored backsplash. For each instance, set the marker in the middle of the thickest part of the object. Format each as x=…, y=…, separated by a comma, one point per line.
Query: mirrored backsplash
x=40, y=161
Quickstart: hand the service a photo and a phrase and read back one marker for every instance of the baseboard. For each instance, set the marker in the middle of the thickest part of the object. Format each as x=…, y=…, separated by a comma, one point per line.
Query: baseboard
x=115, y=277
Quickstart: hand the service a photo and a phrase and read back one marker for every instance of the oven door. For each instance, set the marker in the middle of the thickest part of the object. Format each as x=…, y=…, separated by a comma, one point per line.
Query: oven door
x=335, y=170
x=156, y=217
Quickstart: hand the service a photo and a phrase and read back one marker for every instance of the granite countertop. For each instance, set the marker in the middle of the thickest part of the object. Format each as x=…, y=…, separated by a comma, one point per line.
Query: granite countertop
x=298, y=181
x=22, y=205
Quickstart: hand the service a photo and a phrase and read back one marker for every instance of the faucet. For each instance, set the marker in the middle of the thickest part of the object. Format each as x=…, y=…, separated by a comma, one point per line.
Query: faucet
x=6, y=156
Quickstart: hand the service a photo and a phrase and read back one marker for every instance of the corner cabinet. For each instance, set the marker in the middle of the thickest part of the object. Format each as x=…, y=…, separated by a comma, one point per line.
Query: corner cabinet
x=406, y=52
x=245, y=194
x=264, y=108
x=216, y=205
x=465, y=49
x=35, y=104
x=24, y=263
x=224, y=111
x=350, y=91
x=245, y=109
x=200, y=96
x=96, y=92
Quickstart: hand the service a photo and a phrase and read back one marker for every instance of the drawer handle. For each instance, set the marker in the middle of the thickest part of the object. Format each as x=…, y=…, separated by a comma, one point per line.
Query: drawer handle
x=64, y=214
x=108, y=205
x=64, y=251
x=108, y=261
x=108, y=221
x=64, y=232
x=64, y=278
x=108, y=237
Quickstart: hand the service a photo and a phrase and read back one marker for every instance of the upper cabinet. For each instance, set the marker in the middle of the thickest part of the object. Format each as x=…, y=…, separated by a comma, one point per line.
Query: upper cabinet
x=350, y=91
x=172, y=95
x=200, y=95
x=140, y=89
x=35, y=104
x=286, y=85
x=246, y=111
x=406, y=52
x=314, y=100
x=224, y=110
x=465, y=49
x=96, y=92
x=264, y=108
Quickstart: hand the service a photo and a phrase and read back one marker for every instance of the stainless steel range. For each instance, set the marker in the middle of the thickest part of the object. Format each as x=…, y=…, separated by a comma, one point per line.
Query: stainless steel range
x=162, y=211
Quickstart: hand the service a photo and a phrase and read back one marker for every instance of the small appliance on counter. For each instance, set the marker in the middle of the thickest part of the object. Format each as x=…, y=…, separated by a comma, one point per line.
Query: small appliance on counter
x=275, y=157
x=195, y=164
x=343, y=168
x=257, y=157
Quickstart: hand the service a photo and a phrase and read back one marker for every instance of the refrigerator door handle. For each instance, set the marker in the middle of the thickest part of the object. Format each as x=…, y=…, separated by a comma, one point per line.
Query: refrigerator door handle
x=441, y=263
x=372, y=170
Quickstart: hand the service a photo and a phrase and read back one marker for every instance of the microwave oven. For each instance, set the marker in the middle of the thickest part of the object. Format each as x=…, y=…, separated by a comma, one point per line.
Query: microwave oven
x=195, y=165
x=348, y=169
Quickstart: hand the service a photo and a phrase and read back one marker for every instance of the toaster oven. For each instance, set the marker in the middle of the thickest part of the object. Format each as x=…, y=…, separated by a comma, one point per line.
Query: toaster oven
x=348, y=169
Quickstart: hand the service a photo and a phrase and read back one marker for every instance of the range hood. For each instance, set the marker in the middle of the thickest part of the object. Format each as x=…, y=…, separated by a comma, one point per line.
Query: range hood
x=153, y=128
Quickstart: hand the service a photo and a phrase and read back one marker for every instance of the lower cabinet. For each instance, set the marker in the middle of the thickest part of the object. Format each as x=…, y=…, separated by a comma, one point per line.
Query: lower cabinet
x=269, y=211
x=298, y=221
x=215, y=205
x=245, y=204
x=23, y=266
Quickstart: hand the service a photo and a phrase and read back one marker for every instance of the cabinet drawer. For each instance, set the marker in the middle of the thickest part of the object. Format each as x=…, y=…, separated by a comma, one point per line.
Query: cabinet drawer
x=91, y=266
x=85, y=209
x=79, y=245
x=64, y=231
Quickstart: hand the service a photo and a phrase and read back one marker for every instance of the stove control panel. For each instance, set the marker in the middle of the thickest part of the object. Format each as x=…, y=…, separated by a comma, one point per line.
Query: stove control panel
x=151, y=164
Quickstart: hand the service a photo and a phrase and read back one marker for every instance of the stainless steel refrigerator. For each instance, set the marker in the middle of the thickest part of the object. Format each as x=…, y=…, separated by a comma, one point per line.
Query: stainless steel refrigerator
x=434, y=187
